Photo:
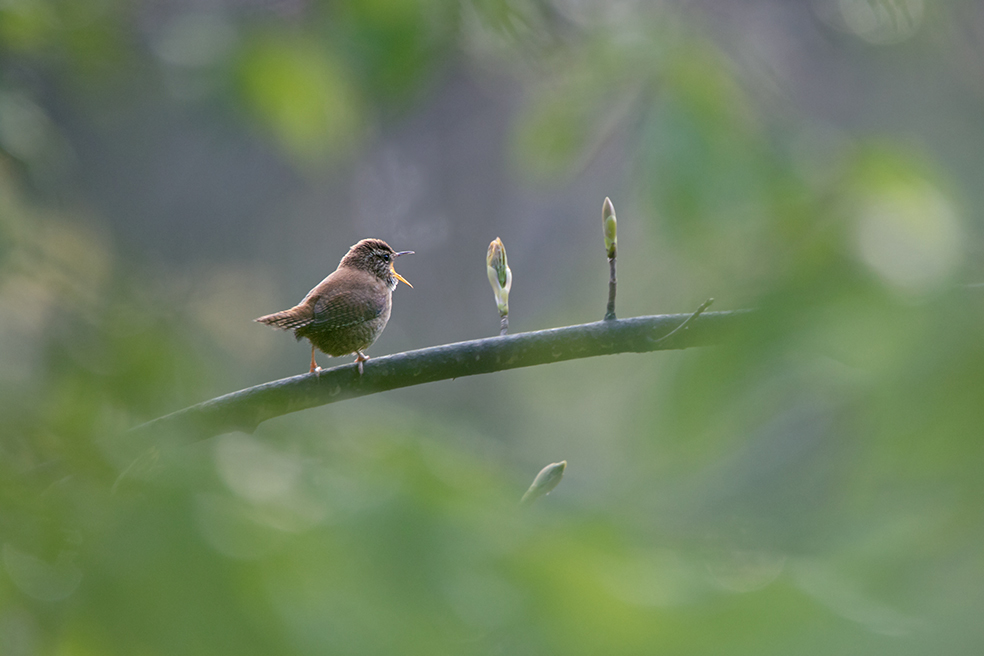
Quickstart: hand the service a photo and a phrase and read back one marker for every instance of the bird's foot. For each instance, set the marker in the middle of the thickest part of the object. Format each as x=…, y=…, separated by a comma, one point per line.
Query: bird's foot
x=359, y=359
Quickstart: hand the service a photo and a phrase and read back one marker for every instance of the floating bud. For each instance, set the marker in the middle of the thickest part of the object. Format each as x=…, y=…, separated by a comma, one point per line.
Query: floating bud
x=500, y=277
x=611, y=232
x=545, y=481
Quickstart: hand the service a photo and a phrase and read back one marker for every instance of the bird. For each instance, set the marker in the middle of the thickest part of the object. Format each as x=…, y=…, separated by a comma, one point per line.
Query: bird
x=346, y=311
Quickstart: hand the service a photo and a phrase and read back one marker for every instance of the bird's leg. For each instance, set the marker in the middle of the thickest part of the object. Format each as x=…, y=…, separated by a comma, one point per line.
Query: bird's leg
x=314, y=365
x=360, y=357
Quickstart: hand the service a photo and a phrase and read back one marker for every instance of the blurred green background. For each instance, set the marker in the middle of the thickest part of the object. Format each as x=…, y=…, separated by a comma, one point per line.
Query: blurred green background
x=170, y=170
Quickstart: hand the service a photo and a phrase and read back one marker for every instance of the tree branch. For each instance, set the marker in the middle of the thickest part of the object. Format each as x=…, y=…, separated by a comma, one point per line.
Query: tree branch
x=246, y=409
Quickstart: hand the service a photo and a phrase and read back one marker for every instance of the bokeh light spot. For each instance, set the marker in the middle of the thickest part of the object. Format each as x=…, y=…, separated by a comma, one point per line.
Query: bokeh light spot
x=909, y=235
x=253, y=470
x=40, y=579
x=882, y=21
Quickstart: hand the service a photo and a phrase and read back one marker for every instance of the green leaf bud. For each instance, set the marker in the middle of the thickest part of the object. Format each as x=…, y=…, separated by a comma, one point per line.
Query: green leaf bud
x=611, y=228
x=500, y=277
x=548, y=478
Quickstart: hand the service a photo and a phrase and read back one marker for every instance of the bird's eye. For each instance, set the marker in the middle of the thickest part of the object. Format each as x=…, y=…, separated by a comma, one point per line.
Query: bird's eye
x=386, y=257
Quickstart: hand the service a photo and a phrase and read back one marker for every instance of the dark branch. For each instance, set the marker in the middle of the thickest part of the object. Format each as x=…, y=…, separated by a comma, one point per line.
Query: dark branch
x=246, y=409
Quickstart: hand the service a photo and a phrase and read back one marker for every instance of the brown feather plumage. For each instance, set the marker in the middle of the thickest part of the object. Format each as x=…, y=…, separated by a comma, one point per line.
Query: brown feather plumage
x=346, y=311
x=295, y=317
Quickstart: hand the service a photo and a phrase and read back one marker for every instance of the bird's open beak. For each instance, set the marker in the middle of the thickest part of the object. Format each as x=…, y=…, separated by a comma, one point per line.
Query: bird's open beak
x=398, y=276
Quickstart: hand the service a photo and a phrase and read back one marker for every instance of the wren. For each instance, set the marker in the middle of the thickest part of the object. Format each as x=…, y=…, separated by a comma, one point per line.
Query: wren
x=348, y=310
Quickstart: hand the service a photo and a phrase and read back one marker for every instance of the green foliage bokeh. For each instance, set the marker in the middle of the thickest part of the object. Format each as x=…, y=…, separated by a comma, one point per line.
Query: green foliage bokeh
x=812, y=486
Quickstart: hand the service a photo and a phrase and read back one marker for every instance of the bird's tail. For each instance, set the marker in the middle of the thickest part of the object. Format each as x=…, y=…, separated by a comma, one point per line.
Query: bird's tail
x=296, y=317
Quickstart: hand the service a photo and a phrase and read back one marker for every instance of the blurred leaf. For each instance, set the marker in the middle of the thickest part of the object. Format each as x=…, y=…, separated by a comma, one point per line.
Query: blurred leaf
x=300, y=90
x=393, y=46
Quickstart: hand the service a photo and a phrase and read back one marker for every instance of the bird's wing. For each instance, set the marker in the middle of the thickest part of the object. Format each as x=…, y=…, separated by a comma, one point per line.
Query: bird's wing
x=347, y=308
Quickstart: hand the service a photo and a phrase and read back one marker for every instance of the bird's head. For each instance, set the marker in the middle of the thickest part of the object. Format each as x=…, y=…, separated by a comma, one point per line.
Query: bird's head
x=376, y=257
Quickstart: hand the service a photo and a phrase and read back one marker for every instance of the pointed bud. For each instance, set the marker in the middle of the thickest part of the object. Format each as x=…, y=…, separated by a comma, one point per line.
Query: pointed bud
x=500, y=277
x=545, y=481
x=611, y=234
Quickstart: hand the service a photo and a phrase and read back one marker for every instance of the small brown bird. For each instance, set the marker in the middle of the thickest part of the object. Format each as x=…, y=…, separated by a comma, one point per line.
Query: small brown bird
x=348, y=310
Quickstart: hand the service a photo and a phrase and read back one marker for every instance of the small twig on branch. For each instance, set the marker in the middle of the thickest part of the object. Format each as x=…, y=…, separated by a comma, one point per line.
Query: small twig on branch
x=246, y=409
x=610, y=227
x=612, y=284
x=504, y=324
x=703, y=306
